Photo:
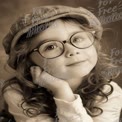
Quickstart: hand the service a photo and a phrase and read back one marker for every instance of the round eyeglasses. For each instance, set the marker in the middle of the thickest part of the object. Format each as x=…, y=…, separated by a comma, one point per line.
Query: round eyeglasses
x=53, y=48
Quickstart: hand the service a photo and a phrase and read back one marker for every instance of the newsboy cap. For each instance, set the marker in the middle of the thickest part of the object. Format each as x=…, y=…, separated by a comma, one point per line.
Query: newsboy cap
x=43, y=14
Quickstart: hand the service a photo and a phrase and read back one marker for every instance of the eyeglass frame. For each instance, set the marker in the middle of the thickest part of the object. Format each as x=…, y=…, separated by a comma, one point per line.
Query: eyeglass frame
x=62, y=42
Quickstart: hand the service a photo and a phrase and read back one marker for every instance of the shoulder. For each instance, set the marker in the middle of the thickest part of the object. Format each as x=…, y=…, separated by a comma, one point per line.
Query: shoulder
x=112, y=107
x=115, y=98
x=117, y=90
x=12, y=94
x=116, y=87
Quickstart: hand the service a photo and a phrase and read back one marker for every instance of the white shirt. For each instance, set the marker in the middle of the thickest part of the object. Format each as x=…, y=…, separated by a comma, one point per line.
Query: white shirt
x=69, y=111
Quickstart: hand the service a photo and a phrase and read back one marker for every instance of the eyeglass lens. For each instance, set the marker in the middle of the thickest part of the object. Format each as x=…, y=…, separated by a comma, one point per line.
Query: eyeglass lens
x=55, y=48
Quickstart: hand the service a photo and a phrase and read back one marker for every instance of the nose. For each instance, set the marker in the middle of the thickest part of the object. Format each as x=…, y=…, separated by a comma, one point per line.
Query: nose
x=70, y=50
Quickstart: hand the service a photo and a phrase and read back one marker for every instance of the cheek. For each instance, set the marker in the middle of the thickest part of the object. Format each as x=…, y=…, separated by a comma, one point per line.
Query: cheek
x=93, y=57
x=53, y=66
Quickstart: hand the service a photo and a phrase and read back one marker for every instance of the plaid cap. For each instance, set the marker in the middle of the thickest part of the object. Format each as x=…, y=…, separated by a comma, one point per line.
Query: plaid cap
x=43, y=14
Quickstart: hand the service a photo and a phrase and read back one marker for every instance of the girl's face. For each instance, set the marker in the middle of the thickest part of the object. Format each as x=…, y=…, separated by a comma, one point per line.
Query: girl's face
x=63, y=66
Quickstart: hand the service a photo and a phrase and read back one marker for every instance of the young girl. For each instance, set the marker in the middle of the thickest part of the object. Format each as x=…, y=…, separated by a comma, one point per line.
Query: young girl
x=59, y=68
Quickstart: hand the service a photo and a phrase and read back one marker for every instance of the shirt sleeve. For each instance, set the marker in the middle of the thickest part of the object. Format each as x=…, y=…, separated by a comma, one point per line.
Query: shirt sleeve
x=72, y=111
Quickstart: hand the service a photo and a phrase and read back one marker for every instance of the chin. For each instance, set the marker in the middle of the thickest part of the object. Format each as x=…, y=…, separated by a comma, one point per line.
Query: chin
x=79, y=74
x=66, y=76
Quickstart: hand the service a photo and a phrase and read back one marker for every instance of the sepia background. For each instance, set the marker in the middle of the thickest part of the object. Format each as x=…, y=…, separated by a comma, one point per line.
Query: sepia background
x=108, y=11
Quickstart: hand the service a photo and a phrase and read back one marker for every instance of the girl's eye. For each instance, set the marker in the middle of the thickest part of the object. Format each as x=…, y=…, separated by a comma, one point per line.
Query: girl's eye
x=78, y=40
x=50, y=47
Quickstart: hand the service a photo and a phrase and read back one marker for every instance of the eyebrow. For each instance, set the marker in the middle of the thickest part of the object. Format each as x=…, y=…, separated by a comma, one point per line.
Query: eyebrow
x=46, y=40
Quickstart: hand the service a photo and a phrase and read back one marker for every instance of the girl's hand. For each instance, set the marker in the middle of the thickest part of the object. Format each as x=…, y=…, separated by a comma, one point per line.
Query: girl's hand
x=59, y=87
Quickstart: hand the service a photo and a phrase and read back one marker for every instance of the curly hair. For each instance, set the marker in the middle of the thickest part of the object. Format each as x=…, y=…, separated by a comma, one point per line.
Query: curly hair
x=41, y=100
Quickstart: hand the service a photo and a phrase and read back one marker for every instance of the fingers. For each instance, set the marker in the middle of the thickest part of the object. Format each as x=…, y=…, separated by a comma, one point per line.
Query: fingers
x=48, y=81
x=35, y=72
x=41, y=78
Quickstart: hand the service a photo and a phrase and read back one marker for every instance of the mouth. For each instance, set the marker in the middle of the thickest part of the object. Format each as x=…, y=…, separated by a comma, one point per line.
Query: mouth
x=76, y=63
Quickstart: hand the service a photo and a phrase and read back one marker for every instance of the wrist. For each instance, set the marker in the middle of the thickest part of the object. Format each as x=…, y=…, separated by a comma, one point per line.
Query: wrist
x=65, y=93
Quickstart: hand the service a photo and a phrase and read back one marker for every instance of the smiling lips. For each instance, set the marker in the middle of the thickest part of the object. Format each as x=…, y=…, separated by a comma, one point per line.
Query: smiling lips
x=76, y=63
